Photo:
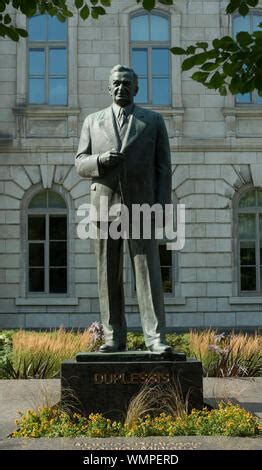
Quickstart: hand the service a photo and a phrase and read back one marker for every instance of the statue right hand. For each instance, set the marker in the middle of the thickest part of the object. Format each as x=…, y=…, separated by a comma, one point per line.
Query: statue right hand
x=111, y=158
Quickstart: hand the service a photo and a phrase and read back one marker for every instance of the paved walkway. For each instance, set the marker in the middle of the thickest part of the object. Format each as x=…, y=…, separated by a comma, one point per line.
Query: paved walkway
x=17, y=396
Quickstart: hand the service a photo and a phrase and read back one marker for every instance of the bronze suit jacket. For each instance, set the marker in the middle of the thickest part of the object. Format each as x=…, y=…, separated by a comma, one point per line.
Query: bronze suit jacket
x=145, y=175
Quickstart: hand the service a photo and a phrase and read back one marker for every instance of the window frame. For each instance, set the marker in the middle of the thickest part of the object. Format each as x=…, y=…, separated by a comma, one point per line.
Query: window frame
x=258, y=245
x=149, y=46
x=47, y=212
x=47, y=46
x=253, y=93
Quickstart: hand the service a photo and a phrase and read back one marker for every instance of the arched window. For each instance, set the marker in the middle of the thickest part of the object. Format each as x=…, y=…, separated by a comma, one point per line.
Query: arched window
x=150, y=57
x=47, y=244
x=47, y=60
x=249, y=232
x=249, y=23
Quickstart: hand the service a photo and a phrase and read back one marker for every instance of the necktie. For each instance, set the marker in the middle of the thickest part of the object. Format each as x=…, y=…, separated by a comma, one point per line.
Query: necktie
x=122, y=118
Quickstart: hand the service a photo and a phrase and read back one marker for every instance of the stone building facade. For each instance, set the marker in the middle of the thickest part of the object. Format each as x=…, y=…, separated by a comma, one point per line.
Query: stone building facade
x=216, y=145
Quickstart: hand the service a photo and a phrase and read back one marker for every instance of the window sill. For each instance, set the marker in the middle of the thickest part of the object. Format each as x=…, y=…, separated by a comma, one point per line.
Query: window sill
x=46, y=121
x=46, y=301
x=243, y=121
x=167, y=300
x=245, y=300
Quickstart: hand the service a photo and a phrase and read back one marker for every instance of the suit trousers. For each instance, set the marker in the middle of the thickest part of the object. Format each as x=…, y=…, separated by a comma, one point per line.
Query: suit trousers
x=145, y=260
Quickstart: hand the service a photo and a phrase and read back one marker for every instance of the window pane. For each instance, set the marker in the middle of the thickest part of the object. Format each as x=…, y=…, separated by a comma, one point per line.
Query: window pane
x=58, y=254
x=36, y=62
x=36, y=254
x=165, y=256
x=39, y=201
x=36, y=280
x=139, y=61
x=140, y=28
x=57, y=62
x=57, y=228
x=37, y=28
x=247, y=253
x=244, y=99
x=36, y=227
x=36, y=90
x=159, y=28
x=247, y=226
x=57, y=91
x=160, y=62
x=241, y=23
x=166, y=279
x=248, y=279
x=256, y=20
x=55, y=201
x=57, y=31
x=161, y=93
x=57, y=281
x=260, y=229
x=142, y=96
x=248, y=199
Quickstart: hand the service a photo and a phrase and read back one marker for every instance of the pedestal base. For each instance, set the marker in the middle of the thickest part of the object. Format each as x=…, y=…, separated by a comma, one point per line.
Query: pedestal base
x=105, y=383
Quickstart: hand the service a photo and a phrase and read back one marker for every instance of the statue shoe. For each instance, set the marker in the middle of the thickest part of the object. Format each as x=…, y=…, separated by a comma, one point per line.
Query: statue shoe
x=112, y=346
x=160, y=348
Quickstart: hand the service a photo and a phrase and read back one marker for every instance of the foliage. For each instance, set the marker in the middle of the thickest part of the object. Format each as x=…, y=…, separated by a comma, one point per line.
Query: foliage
x=227, y=356
x=39, y=355
x=59, y=8
x=227, y=420
x=230, y=65
x=5, y=351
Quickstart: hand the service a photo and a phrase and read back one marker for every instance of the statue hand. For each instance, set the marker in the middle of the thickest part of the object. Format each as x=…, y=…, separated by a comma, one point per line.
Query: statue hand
x=111, y=158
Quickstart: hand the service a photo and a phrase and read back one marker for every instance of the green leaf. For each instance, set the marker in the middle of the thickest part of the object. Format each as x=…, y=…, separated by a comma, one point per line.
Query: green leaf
x=200, y=76
x=22, y=32
x=149, y=4
x=94, y=2
x=178, y=51
x=12, y=33
x=7, y=19
x=188, y=63
x=233, y=6
x=191, y=50
x=243, y=9
x=85, y=12
x=106, y=3
x=210, y=66
x=252, y=3
x=98, y=11
x=244, y=38
x=166, y=2
x=79, y=3
x=201, y=58
x=202, y=45
x=216, y=81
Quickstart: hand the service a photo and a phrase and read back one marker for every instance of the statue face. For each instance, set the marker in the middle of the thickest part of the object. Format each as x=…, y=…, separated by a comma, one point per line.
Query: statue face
x=122, y=88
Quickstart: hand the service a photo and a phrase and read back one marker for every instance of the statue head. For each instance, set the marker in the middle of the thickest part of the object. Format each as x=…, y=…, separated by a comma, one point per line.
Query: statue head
x=123, y=85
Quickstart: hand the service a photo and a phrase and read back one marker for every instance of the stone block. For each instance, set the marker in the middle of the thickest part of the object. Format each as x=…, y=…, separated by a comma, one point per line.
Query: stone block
x=106, y=383
x=197, y=289
x=220, y=320
x=207, y=305
x=206, y=274
x=219, y=290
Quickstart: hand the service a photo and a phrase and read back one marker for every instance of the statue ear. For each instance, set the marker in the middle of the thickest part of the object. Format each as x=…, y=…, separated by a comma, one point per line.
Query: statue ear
x=110, y=90
x=136, y=90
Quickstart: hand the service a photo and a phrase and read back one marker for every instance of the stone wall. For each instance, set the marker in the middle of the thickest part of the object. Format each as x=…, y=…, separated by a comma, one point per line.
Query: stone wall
x=216, y=152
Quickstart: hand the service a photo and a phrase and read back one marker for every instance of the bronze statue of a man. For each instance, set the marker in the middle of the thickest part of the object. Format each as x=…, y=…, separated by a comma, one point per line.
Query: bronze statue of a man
x=125, y=150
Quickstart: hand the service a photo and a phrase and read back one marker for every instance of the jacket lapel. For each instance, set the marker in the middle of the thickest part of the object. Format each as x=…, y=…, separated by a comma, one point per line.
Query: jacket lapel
x=107, y=125
x=138, y=125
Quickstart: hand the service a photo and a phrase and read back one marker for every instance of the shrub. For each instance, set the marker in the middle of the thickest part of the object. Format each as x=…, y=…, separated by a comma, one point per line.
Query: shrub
x=39, y=355
x=227, y=356
x=227, y=420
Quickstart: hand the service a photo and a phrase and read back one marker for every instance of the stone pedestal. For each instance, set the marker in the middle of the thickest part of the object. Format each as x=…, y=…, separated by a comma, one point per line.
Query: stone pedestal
x=105, y=383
